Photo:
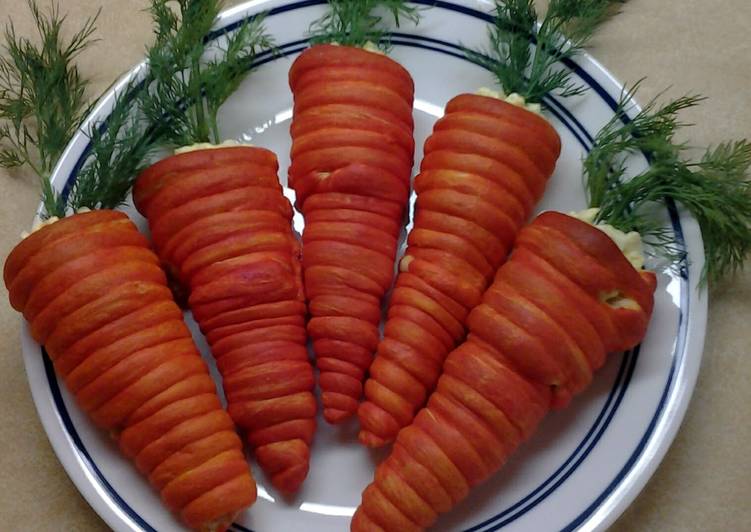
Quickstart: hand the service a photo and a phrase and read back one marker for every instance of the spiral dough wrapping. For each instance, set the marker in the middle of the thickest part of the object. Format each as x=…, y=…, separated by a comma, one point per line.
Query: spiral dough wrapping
x=485, y=167
x=95, y=297
x=222, y=226
x=565, y=298
x=352, y=156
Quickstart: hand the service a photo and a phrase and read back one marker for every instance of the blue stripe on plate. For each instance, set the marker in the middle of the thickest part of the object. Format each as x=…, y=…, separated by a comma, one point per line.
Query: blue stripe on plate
x=677, y=361
x=49, y=370
x=602, y=420
x=240, y=528
x=629, y=360
x=628, y=365
x=592, y=438
x=552, y=104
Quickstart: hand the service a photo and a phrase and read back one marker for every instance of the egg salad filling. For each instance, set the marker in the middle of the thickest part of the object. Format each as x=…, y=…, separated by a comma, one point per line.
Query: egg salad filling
x=208, y=146
x=630, y=245
x=39, y=223
x=513, y=98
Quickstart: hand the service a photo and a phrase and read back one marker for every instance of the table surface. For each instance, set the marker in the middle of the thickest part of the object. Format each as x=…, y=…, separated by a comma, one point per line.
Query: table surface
x=704, y=482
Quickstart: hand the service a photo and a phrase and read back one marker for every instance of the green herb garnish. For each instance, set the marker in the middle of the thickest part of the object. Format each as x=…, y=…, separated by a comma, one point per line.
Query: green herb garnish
x=357, y=22
x=43, y=96
x=153, y=112
x=43, y=99
x=189, y=90
x=118, y=151
x=532, y=71
x=715, y=189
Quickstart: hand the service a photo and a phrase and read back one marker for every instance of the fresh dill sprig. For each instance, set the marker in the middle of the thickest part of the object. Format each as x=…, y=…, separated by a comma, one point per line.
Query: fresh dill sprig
x=43, y=96
x=176, y=104
x=189, y=90
x=119, y=148
x=563, y=33
x=221, y=77
x=177, y=50
x=651, y=131
x=180, y=33
x=716, y=189
x=357, y=22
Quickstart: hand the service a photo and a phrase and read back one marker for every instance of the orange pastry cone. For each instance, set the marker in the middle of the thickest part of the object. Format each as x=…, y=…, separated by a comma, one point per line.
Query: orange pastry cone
x=352, y=156
x=565, y=298
x=222, y=226
x=95, y=297
x=485, y=167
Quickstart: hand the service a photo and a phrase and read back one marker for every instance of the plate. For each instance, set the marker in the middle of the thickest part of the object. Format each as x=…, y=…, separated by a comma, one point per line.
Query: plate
x=584, y=465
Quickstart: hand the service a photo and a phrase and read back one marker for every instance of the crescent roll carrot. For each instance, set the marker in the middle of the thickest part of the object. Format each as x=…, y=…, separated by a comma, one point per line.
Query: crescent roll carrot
x=95, y=297
x=573, y=290
x=90, y=287
x=485, y=167
x=352, y=155
x=222, y=226
x=566, y=297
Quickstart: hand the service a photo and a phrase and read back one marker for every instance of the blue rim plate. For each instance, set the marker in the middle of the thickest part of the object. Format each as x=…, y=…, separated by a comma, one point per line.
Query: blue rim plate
x=585, y=465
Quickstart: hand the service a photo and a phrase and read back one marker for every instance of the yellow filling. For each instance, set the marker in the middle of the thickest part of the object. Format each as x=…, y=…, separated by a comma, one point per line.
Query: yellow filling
x=630, y=245
x=208, y=146
x=372, y=47
x=513, y=98
x=617, y=299
x=369, y=46
x=404, y=263
x=38, y=224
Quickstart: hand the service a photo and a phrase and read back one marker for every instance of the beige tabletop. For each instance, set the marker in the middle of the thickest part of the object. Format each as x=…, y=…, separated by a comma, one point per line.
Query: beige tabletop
x=704, y=483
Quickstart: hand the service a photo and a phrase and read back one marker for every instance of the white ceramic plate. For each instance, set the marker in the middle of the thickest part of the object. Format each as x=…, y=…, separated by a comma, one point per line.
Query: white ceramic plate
x=585, y=464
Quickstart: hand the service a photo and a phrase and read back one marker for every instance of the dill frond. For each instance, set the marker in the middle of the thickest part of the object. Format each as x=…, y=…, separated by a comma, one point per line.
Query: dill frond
x=357, y=22
x=118, y=151
x=177, y=50
x=651, y=131
x=176, y=104
x=533, y=71
x=43, y=97
x=221, y=77
x=188, y=90
x=715, y=189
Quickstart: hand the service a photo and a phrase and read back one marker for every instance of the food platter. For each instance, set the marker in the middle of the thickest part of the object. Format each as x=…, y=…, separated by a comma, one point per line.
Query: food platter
x=585, y=464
